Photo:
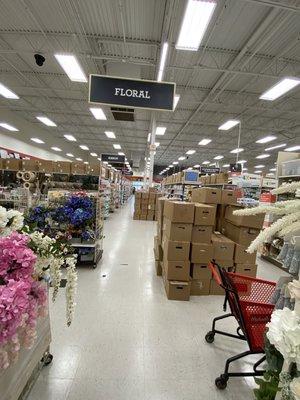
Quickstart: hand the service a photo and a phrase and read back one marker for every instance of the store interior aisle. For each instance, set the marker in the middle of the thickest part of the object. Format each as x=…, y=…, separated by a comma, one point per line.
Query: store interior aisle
x=127, y=340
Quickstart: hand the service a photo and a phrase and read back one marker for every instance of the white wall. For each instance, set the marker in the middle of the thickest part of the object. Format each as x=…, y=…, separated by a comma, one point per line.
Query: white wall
x=19, y=146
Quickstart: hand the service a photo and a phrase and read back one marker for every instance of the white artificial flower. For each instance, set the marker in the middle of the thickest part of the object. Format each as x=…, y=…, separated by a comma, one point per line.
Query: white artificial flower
x=17, y=220
x=3, y=217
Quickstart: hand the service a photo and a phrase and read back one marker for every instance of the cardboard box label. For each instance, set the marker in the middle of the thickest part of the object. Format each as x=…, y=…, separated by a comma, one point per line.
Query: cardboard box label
x=201, y=253
x=200, y=287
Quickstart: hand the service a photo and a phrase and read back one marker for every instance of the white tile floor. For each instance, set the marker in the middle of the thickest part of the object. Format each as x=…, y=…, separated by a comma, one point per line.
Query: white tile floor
x=128, y=342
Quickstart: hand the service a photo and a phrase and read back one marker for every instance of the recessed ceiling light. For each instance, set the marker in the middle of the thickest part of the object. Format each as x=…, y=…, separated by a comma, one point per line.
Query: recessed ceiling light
x=175, y=162
x=37, y=140
x=157, y=144
x=79, y=159
x=280, y=88
x=46, y=121
x=56, y=148
x=190, y=152
x=229, y=124
x=196, y=166
x=85, y=162
x=235, y=151
x=71, y=138
x=204, y=142
x=98, y=113
x=259, y=166
x=162, y=62
x=94, y=154
x=206, y=162
x=258, y=172
x=120, y=153
x=84, y=147
x=272, y=169
x=242, y=161
x=278, y=146
x=197, y=16
x=160, y=130
x=70, y=155
x=117, y=146
x=110, y=134
x=225, y=165
x=71, y=66
x=8, y=127
x=266, y=139
x=218, y=157
x=263, y=156
x=181, y=158
x=293, y=148
x=176, y=100
x=171, y=166
x=7, y=93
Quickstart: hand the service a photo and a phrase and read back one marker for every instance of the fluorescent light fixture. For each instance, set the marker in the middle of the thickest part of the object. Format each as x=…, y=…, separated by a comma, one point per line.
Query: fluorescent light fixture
x=71, y=66
x=212, y=164
x=117, y=146
x=266, y=139
x=242, y=161
x=218, y=157
x=160, y=130
x=157, y=144
x=110, y=134
x=8, y=127
x=204, y=142
x=71, y=138
x=84, y=147
x=149, y=137
x=85, y=162
x=7, y=93
x=37, y=140
x=46, y=121
x=273, y=169
x=293, y=148
x=181, y=158
x=280, y=88
x=70, y=155
x=175, y=162
x=56, y=148
x=79, y=159
x=120, y=153
x=245, y=169
x=162, y=62
x=235, y=151
x=190, y=152
x=259, y=166
x=278, y=146
x=94, y=154
x=258, y=172
x=196, y=18
x=196, y=166
x=270, y=174
x=229, y=124
x=98, y=113
x=225, y=165
x=261, y=156
x=167, y=169
x=206, y=162
x=170, y=166
x=176, y=100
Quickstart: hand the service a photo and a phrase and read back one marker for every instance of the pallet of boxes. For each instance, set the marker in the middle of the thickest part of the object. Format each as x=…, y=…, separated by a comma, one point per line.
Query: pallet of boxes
x=145, y=205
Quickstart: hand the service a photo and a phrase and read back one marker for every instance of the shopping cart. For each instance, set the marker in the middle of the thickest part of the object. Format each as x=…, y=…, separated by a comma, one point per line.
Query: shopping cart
x=249, y=303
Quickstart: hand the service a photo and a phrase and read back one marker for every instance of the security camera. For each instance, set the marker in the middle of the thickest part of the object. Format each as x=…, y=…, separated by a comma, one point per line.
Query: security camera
x=39, y=59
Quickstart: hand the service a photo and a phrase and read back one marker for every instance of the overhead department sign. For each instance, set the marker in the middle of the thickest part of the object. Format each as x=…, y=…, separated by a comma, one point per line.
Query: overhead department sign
x=131, y=93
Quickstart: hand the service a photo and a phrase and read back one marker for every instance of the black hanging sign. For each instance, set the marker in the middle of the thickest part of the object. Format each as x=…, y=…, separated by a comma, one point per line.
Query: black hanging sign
x=209, y=170
x=236, y=167
x=113, y=158
x=134, y=93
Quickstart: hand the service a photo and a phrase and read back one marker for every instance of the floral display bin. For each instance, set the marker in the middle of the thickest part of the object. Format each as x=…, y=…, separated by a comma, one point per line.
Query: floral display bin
x=16, y=380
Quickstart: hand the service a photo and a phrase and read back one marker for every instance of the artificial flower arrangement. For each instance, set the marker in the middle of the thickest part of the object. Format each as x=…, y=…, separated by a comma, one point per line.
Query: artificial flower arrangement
x=283, y=334
x=27, y=261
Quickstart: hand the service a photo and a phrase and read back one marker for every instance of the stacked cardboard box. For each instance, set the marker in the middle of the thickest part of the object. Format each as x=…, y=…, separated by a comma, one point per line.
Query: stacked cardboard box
x=158, y=256
x=202, y=250
x=178, y=218
x=145, y=205
x=242, y=230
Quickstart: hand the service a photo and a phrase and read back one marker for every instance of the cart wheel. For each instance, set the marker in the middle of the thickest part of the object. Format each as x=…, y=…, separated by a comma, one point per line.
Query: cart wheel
x=221, y=382
x=47, y=359
x=210, y=337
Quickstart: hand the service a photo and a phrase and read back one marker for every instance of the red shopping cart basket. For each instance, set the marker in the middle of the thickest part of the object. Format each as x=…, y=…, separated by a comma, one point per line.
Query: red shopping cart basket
x=249, y=301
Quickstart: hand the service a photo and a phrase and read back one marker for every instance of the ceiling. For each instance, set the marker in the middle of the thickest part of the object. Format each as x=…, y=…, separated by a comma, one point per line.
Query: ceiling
x=248, y=46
